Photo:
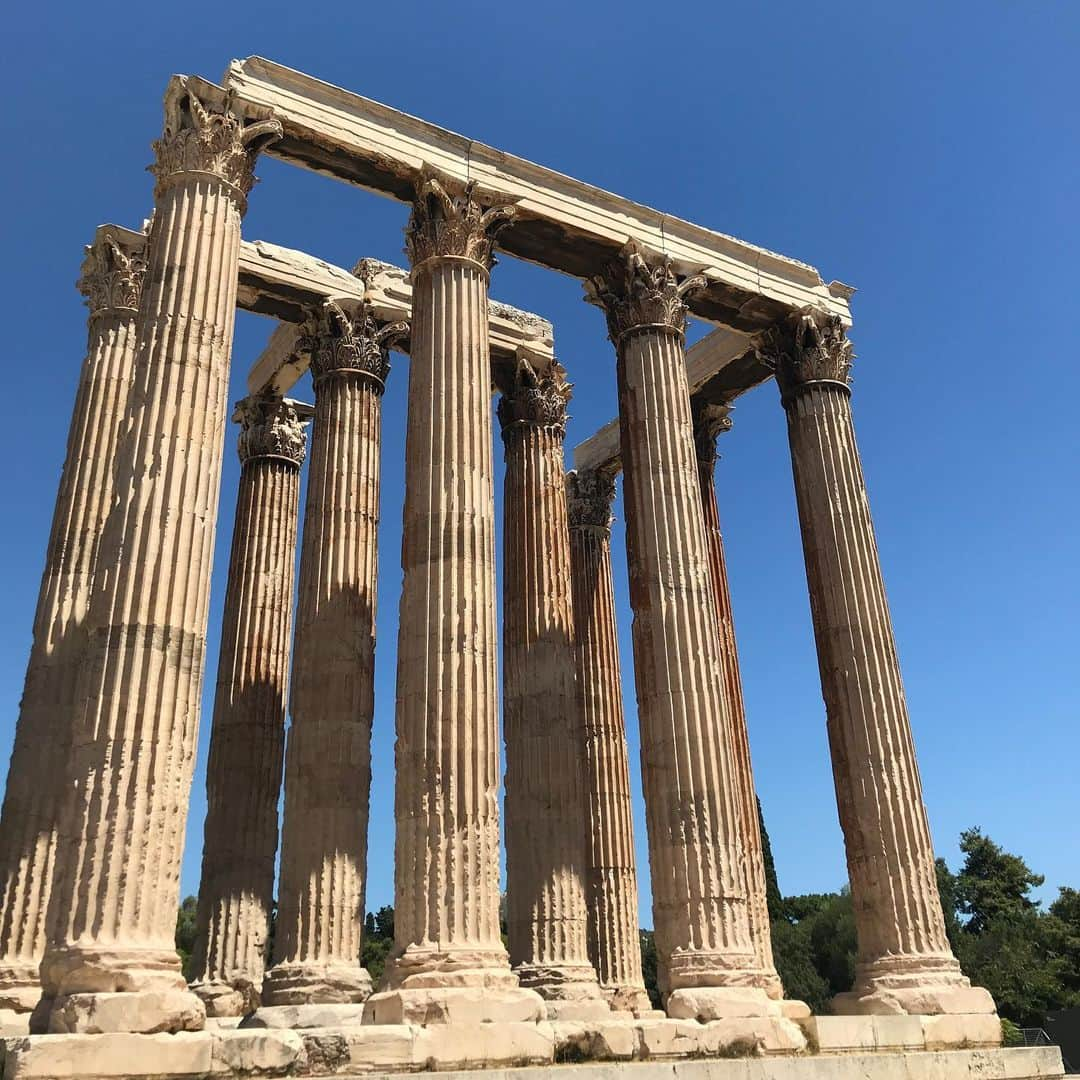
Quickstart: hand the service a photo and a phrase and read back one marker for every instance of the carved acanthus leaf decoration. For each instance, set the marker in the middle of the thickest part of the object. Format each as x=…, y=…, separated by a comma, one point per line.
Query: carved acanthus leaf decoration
x=270, y=427
x=589, y=495
x=112, y=277
x=197, y=139
x=710, y=421
x=809, y=347
x=459, y=224
x=349, y=342
x=638, y=292
x=536, y=400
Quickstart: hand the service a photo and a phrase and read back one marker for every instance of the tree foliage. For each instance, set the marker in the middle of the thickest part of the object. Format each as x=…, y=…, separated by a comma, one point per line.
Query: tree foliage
x=377, y=942
x=772, y=886
x=1028, y=959
x=648, y=966
x=185, y=933
x=993, y=886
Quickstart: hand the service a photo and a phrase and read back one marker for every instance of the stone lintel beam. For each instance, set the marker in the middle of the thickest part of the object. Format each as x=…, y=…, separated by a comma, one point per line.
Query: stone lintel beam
x=285, y=284
x=278, y=281
x=560, y=222
x=719, y=367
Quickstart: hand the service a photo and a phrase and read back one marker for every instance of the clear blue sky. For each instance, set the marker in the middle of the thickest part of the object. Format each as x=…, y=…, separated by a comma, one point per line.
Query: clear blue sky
x=927, y=153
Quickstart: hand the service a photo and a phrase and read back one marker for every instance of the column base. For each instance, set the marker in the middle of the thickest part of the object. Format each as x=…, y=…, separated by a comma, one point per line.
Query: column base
x=927, y=1000
x=435, y=986
x=632, y=1000
x=570, y=992
x=20, y=985
x=455, y=1005
x=237, y=997
x=306, y=1016
x=93, y=989
x=14, y=1024
x=316, y=984
x=794, y=1009
x=145, y=1012
x=912, y=986
x=707, y=1003
x=854, y=1034
x=100, y=969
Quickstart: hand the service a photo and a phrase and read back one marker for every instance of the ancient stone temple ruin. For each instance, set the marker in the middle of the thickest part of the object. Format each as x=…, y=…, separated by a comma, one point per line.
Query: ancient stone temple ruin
x=96, y=802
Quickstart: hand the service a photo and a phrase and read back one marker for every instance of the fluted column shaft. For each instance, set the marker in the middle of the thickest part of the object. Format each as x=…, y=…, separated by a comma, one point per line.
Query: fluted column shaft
x=446, y=917
x=611, y=878
x=447, y=881
x=696, y=840
x=708, y=423
x=111, y=281
x=545, y=797
x=247, y=741
x=328, y=765
x=136, y=722
x=904, y=963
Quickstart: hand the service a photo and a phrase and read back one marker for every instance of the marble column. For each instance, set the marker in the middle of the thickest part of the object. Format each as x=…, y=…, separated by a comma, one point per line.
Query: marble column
x=111, y=281
x=546, y=849
x=247, y=738
x=905, y=964
x=448, y=960
x=707, y=967
x=611, y=875
x=328, y=765
x=709, y=421
x=111, y=963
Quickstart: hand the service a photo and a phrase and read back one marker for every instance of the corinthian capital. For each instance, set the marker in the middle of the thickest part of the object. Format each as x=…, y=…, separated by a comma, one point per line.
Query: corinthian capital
x=589, y=495
x=533, y=400
x=710, y=421
x=112, y=274
x=351, y=342
x=641, y=292
x=445, y=222
x=810, y=347
x=271, y=427
x=206, y=140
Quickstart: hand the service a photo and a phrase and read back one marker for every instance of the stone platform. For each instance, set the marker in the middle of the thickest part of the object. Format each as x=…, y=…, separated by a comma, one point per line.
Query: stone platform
x=835, y=1048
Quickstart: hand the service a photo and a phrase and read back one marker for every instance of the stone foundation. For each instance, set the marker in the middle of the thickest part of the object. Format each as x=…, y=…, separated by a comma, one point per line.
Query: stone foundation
x=870, y=1046
x=643, y=1050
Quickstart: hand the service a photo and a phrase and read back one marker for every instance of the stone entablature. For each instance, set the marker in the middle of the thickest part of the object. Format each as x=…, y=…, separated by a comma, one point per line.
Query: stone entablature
x=561, y=222
x=285, y=284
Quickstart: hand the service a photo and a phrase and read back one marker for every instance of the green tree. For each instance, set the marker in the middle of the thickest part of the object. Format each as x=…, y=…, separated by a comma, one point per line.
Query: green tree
x=814, y=947
x=992, y=885
x=833, y=942
x=185, y=933
x=1063, y=938
x=1010, y=958
x=950, y=902
x=772, y=886
x=378, y=941
x=1028, y=959
x=648, y=966
x=794, y=959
